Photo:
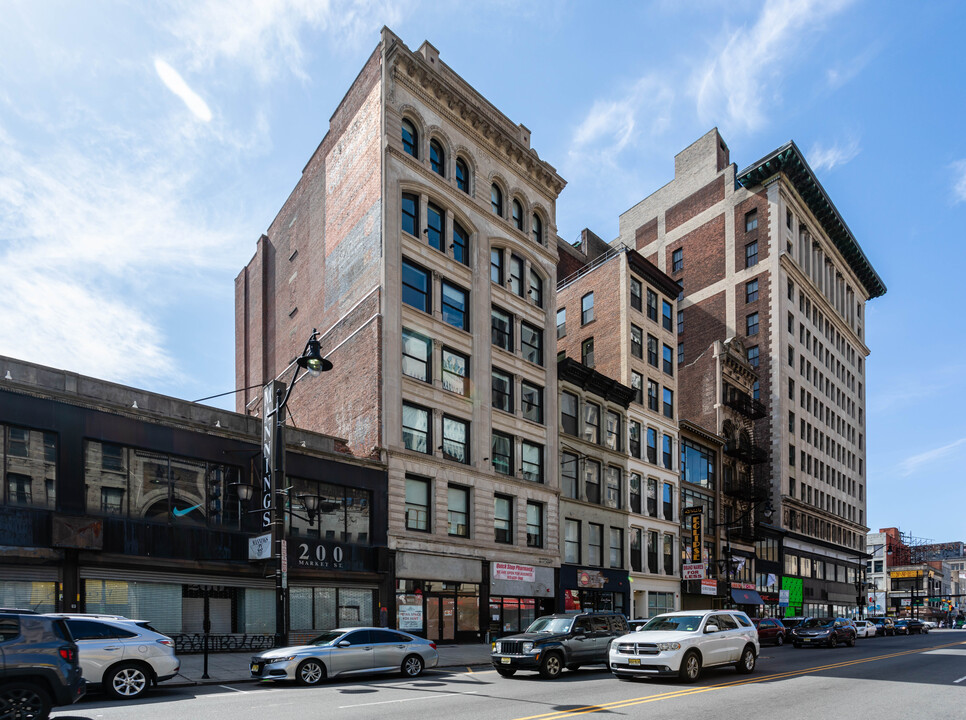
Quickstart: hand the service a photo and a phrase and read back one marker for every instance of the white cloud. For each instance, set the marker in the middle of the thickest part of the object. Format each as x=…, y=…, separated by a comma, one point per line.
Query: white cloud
x=176, y=84
x=959, y=181
x=265, y=34
x=735, y=83
x=827, y=157
x=914, y=463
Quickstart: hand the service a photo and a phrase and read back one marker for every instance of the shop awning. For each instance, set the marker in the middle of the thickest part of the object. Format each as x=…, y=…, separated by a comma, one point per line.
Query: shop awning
x=747, y=597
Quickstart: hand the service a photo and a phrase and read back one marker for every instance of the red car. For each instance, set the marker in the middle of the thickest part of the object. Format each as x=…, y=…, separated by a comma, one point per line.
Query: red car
x=770, y=630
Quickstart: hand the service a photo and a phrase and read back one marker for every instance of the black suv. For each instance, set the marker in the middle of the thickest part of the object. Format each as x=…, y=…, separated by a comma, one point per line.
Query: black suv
x=824, y=631
x=555, y=642
x=883, y=625
x=38, y=665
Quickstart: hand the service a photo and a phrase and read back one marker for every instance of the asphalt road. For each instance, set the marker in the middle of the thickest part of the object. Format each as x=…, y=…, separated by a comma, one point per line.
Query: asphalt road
x=901, y=678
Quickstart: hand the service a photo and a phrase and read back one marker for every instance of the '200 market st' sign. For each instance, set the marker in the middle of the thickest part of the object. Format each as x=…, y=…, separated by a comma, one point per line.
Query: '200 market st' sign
x=328, y=555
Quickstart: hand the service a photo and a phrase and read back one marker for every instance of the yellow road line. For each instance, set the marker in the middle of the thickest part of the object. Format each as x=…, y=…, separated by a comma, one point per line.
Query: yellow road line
x=617, y=704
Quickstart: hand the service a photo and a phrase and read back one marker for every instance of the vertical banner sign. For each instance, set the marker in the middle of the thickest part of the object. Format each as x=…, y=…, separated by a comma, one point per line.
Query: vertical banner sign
x=694, y=515
x=268, y=451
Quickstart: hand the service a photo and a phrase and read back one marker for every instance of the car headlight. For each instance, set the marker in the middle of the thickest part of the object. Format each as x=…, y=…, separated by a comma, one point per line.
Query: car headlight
x=287, y=658
x=527, y=647
x=669, y=646
x=498, y=647
x=825, y=631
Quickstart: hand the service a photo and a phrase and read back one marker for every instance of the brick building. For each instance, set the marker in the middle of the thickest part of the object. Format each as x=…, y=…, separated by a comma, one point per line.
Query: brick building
x=764, y=255
x=615, y=315
x=421, y=242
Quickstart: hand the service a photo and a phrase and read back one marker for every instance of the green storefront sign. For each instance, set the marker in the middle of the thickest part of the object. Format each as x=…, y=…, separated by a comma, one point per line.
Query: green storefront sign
x=795, y=595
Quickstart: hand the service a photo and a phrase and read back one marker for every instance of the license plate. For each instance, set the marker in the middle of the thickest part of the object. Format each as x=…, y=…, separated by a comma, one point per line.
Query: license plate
x=634, y=661
x=256, y=668
x=505, y=661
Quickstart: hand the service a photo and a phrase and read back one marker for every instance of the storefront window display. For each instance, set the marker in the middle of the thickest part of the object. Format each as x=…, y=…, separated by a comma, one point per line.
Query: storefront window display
x=37, y=596
x=439, y=611
x=513, y=614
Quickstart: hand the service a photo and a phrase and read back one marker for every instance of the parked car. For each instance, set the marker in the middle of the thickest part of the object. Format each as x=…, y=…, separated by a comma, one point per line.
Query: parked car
x=555, y=642
x=790, y=622
x=864, y=629
x=38, y=665
x=635, y=625
x=345, y=652
x=911, y=626
x=930, y=624
x=883, y=625
x=770, y=630
x=682, y=643
x=121, y=656
x=823, y=631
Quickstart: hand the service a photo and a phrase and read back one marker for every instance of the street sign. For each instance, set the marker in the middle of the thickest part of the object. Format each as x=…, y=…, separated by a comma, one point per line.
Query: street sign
x=783, y=598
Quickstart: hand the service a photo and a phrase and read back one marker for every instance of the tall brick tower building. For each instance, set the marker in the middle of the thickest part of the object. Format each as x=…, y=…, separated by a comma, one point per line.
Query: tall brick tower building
x=763, y=255
x=421, y=242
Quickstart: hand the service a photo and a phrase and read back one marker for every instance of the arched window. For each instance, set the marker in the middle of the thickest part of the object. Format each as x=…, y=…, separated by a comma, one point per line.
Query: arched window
x=536, y=229
x=496, y=199
x=517, y=214
x=437, y=159
x=460, y=244
x=410, y=138
x=410, y=213
x=462, y=175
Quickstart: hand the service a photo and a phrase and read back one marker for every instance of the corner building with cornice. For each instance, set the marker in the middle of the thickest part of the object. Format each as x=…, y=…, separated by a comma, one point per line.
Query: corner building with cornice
x=764, y=257
x=421, y=241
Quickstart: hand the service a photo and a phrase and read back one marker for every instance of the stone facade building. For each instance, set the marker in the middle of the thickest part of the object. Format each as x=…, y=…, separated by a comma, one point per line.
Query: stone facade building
x=421, y=242
x=764, y=255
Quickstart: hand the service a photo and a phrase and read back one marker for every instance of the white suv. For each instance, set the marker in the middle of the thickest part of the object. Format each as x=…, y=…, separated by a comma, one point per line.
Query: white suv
x=681, y=643
x=123, y=656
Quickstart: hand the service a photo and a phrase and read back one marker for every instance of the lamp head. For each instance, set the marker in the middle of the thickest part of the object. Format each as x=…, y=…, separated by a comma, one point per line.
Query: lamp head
x=311, y=358
x=243, y=490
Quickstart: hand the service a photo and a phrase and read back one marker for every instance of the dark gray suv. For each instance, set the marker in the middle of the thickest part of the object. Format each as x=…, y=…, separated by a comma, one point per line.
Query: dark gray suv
x=554, y=642
x=38, y=665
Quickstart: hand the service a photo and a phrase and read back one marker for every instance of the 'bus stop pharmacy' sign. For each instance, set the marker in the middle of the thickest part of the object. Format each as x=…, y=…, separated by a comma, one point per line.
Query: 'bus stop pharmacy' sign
x=509, y=571
x=410, y=617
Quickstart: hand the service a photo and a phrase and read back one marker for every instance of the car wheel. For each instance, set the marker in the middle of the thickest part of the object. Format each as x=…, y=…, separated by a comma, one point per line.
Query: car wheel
x=310, y=672
x=24, y=700
x=550, y=666
x=832, y=640
x=779, y=640
x=412, y=666
x=690, y=669
x=851, y=641
x=126, y=682
x=506, y=672
x=746, y=664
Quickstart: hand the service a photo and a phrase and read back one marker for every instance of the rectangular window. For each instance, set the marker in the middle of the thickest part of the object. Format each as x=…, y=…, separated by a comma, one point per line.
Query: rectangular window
x=416, y=354
x=532, y=459
x=501, y=453
x=501, y=329
x=572, y=541
x=635, y=489
x=616, y=547
x=592, y=481
x=680, y=353
x=458, y=511
x=415, y=427
x=587, y=352
x=531, y=343
x=751, y=291
x=668, y=357
x=503, y=519
x=531, y=400
x=668, y=554
x=410, y=214
x=668, y=452
x=637, y=342
x=652, y=551
x=637, y=561
x=455, y=372
x=652, y=497
x=651, y=305
x=456, y=435
x=637, y=385
x=751, y=254
x=502, y=390
x=455, y=306
x=751, y=220
x=534, y=524
x=666, y=316
x=586, y=308
x=568, y=413
x=668, y=501
x=536, y=289
x=595, y=541
x=496, y=266
x=668, y=403
x=612, y=479
x=753, y=353
x=112, y=501
x=636, y=294
x=751, y=324
x=434, y=226
x=415, y=287
x=561, y=322
x=515, y=283
x=652, y=350
x=677, y=260
x=652, y=446
x=680, y=321
x=417, y=504
x=112, y=456
x=634, y=438
x=612, y=430
x=591, y=422
x=568, y=475
x=652, y=396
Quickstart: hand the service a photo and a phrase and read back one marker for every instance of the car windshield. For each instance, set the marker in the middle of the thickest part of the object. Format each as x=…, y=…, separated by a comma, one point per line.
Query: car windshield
x=791, y=622
x=684, y=623
x=550, y=625
x=817, y=622
x=326, y=638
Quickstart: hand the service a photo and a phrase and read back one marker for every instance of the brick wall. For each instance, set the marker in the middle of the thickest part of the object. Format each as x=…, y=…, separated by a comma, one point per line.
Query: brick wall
x=758, y=202
x=703, y=324
x=645, y=234
x=703, y=255
x=693, y=204
x=605, y=328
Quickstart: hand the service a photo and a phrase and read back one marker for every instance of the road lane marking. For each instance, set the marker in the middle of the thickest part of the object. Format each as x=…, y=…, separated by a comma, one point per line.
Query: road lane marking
x=231, y=688
x=960, y=679
x=619, y=704
x=389, y=702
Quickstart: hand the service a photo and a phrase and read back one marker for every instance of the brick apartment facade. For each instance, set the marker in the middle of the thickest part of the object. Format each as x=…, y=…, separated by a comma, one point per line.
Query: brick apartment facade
x=421, y=242
x=764, y=256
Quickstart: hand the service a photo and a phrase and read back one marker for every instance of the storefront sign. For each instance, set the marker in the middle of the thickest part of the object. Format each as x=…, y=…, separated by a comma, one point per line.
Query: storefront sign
x=905, y=573
x=709, y=587
x=260, y=547
x=590, y=578
x=328, y=555
x=742, y=586
x=694, y=571
x=783, y=598
x=410, y=617
x=509, y=571
x=693, y=516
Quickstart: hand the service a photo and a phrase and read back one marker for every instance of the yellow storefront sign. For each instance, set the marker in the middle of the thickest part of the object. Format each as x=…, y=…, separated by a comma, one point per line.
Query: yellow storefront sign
x=905, y=573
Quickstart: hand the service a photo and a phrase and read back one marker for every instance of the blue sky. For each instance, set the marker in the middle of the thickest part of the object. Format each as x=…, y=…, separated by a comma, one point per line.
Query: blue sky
x=144, y=147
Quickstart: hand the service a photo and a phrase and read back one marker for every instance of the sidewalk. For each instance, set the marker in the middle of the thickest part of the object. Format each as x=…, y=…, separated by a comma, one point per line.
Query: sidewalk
x=233, y=667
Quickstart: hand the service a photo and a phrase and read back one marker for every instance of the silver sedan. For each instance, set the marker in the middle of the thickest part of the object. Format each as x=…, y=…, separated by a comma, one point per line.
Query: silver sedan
x=345, y=652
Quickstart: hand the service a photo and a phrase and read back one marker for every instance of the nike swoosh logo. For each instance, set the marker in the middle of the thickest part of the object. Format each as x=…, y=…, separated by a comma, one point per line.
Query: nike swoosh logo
x=182, y=513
